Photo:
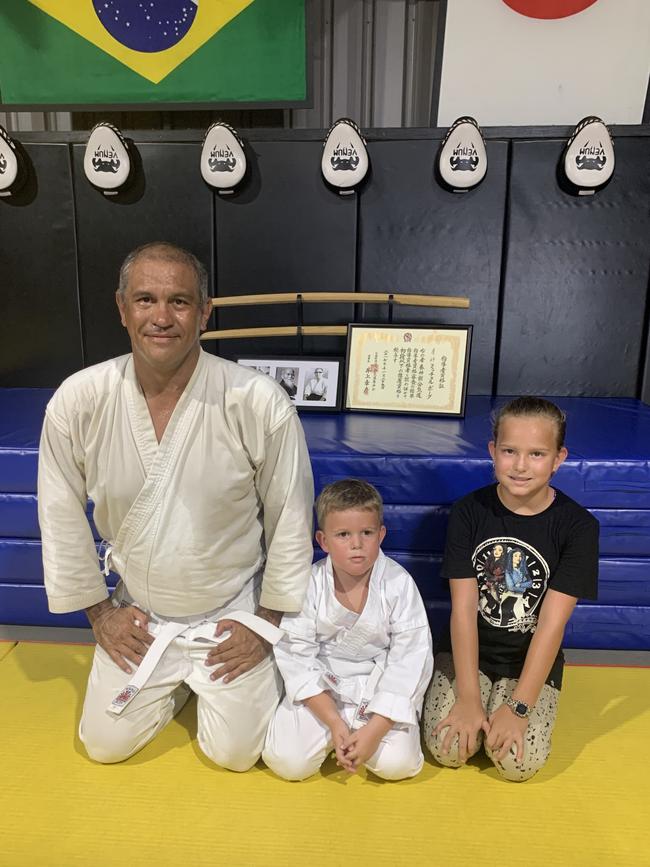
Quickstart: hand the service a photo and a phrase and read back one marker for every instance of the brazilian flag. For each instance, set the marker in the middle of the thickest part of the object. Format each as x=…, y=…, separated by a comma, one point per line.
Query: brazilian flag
x=94, y=52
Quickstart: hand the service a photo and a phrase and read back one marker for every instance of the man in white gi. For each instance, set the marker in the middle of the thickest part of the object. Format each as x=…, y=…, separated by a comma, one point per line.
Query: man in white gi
x=316, y=388
x=202, y=487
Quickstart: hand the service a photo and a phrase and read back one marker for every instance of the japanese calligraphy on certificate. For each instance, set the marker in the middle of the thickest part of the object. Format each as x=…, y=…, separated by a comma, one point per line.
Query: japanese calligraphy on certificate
x=398, y=368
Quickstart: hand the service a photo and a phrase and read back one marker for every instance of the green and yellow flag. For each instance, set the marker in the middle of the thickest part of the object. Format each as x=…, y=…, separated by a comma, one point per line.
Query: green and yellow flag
x=92, y=52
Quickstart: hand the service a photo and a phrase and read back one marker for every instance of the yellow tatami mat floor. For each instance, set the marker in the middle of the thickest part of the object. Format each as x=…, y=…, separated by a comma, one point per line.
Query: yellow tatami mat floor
x=168, y=806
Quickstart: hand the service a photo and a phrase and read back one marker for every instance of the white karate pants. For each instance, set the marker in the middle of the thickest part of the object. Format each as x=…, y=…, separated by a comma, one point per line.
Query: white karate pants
x=232, y=717
x=297, y=744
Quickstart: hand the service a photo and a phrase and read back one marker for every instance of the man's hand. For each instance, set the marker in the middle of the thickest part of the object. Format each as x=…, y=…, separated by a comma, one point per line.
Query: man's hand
x=122, y=632
x=465, y=720
x=364, y=742
x=506, y=729
x=243, y=649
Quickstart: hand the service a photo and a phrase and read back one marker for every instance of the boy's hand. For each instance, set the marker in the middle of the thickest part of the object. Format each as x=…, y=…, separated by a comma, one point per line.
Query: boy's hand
x=465, y=720
x=364, y=742
x=506, y=729
x=340, y=733
x=324, y=708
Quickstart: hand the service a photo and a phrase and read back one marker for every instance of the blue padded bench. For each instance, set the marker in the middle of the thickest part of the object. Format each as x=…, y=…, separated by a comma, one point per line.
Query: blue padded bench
x=420, y=465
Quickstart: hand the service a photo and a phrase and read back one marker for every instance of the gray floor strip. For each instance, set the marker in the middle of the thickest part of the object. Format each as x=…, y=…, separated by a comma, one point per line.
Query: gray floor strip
x=85, y=636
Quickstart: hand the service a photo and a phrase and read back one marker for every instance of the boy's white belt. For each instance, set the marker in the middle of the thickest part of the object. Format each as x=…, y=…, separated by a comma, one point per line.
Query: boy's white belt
x=171, y=630
x=338, y=685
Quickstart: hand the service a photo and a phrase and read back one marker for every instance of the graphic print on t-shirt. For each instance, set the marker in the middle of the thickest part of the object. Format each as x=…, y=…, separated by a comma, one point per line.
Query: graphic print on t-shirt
x=512, y=577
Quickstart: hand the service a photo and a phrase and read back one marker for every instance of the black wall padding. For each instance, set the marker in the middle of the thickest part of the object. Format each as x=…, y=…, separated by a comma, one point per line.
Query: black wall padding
x=416, y=236
x=40, y=340
x=172, y=204
x=559, y=304
x=576, y=276
x=285, y=232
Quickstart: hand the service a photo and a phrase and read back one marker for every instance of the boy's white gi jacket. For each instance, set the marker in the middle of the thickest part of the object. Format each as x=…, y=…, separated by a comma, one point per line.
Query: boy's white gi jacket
x=381, y=660
x=193, y=520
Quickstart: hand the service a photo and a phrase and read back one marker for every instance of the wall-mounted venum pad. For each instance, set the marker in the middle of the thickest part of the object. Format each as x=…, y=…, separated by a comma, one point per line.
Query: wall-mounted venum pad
x=462, y=159
x=107, y=163
x=345, y=159
x=588, y=158
x=12, y=169
x=223, y=161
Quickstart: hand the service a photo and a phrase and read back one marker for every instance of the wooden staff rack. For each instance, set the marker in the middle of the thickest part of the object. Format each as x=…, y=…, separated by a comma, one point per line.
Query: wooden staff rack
x=300, y=298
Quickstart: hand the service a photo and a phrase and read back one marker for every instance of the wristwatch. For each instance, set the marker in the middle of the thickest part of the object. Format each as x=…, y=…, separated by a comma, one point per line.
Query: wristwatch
x=519, y=708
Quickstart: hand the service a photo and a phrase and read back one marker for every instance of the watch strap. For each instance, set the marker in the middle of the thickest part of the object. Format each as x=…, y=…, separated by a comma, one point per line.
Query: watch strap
x=519, y=708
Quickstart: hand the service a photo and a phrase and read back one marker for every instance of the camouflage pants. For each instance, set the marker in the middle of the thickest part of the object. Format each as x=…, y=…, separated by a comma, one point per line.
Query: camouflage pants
x=440, y=699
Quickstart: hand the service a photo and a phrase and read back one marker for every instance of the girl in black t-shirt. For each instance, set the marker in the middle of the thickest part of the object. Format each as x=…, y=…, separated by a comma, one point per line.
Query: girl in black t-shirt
x=520, y=553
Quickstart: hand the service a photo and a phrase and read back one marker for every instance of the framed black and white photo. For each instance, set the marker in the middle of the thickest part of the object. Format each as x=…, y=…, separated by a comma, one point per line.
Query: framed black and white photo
x=311, y=383
x=404, y=368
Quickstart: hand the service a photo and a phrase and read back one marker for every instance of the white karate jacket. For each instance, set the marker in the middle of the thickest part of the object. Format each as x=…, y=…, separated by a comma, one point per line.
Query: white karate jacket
x=380, y=659
x=227, y=493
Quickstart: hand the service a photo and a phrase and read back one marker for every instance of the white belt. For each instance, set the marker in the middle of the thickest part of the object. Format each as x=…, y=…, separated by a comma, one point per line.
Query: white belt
x=171, y=630
x=361, y=717
x=338, y=685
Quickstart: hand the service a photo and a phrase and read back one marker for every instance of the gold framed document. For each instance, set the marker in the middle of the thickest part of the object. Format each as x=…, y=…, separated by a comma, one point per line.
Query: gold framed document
x=404, y=368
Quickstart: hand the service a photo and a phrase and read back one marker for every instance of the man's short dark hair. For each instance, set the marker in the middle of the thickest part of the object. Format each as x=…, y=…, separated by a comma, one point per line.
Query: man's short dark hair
x=170, y=253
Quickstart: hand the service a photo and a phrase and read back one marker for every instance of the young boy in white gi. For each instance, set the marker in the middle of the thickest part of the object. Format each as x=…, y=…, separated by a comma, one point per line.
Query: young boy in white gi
x=357, y=659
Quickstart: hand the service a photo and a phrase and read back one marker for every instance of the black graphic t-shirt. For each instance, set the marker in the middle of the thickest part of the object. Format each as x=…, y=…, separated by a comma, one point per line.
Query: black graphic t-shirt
x=515, y=559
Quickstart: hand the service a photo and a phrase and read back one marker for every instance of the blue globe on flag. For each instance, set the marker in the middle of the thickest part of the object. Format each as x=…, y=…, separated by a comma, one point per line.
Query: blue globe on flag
x=147, y=25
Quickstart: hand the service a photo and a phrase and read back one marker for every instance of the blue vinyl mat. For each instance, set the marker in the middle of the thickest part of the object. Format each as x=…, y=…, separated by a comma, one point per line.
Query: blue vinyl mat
x=421, y=465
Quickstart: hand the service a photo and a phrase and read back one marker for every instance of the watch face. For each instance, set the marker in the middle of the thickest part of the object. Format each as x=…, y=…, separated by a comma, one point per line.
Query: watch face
x=521, y=709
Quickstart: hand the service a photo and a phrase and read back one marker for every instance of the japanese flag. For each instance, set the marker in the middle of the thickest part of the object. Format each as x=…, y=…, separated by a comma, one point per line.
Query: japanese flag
x=529, y=62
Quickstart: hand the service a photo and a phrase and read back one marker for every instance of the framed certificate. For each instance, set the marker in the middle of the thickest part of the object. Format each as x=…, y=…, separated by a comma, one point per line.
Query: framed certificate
x=403, y=368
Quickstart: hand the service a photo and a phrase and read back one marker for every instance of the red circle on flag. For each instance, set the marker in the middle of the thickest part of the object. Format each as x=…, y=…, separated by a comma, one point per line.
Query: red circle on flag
x=549, y=8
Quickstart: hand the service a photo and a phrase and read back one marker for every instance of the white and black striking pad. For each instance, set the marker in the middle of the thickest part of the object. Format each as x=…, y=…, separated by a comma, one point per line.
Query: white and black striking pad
x=589, y=155
x=12, y=170
x=462, y=160
x=345, y=159
x=107, y=162
x=223, y=161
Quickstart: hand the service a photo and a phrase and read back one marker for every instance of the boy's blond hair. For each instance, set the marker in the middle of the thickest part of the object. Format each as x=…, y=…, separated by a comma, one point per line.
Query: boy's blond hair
x=348, y=494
